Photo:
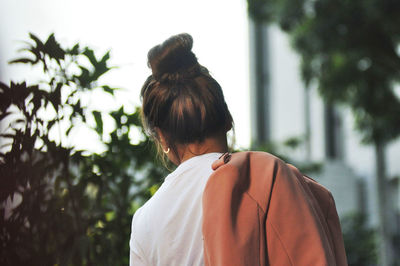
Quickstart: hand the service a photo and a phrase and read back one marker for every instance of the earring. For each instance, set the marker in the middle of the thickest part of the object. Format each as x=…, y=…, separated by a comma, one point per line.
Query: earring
x=166, y=151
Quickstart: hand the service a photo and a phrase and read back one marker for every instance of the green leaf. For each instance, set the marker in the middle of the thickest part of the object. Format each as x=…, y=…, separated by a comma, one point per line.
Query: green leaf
x=89, y=53
x=51, y=123
x=293, y=142
x=153, y=189
x=22, y=60
x=84, y=79
x=55, y=96
x=109, y=89
x=69, y=129
x=75, y=50
x=37, y=51
x=53, y=49
x=78, y=110
x=110, y=216
x=105, y=58
x=39, y=43
x=99, y=122
x=100, y=67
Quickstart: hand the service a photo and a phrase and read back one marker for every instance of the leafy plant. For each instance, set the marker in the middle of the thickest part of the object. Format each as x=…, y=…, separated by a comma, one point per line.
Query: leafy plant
x=60, y=205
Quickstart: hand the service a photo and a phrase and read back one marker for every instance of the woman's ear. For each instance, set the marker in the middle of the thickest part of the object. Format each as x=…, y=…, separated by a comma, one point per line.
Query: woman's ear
x=161, y=138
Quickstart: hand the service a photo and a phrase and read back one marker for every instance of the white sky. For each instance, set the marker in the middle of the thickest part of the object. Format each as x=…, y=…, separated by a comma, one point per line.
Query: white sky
x=130, y=28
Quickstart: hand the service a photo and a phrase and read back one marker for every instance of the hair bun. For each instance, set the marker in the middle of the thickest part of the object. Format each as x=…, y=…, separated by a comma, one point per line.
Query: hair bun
x=173, y=59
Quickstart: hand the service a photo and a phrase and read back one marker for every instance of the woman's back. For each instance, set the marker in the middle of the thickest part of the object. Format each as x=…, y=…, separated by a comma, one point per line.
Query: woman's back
x=167, y=229
x=184, y=111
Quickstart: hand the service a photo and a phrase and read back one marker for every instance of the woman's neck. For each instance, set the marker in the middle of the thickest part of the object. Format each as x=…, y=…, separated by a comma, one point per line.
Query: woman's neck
x=209, y=145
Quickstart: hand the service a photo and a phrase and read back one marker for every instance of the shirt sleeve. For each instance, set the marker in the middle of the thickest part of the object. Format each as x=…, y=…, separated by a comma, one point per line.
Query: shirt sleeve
x=135, y=259
x=136, y=256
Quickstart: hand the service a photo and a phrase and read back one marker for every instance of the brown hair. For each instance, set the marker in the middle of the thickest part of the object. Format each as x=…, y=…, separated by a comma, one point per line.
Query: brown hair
x=180, y=97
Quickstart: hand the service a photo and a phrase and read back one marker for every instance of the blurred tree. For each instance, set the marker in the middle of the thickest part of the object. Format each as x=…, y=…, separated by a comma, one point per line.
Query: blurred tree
x=60, y=205
x=285, y=151
x=359, y=239
x=350, y=49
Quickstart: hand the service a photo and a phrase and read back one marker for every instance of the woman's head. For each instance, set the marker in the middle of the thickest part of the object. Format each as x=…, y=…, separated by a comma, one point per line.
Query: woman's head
x=181, y=102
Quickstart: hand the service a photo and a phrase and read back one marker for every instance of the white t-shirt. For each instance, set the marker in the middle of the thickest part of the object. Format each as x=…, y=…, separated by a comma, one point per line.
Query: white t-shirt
x=166, y=230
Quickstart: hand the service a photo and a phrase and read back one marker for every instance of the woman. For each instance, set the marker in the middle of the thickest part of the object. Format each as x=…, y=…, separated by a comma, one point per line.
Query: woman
x=184, y=109
x=249, y=208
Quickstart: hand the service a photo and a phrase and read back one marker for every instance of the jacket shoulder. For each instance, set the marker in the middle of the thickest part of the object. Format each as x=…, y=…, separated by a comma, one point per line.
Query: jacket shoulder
x=251, y=172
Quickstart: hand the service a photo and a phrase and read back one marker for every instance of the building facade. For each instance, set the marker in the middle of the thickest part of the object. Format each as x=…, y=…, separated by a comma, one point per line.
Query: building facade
x=282, y=108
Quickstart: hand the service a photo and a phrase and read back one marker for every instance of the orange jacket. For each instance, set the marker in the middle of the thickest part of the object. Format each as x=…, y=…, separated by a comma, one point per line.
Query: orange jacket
x=257, y=210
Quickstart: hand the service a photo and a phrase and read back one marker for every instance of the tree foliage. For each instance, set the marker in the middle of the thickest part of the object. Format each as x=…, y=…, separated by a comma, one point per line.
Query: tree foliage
x=360, y=240
x=351, y=50
x=60, y=205
x=285, y=150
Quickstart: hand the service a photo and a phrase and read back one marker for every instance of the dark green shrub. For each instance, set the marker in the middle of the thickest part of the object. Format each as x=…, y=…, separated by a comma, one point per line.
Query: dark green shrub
x=60, y=205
